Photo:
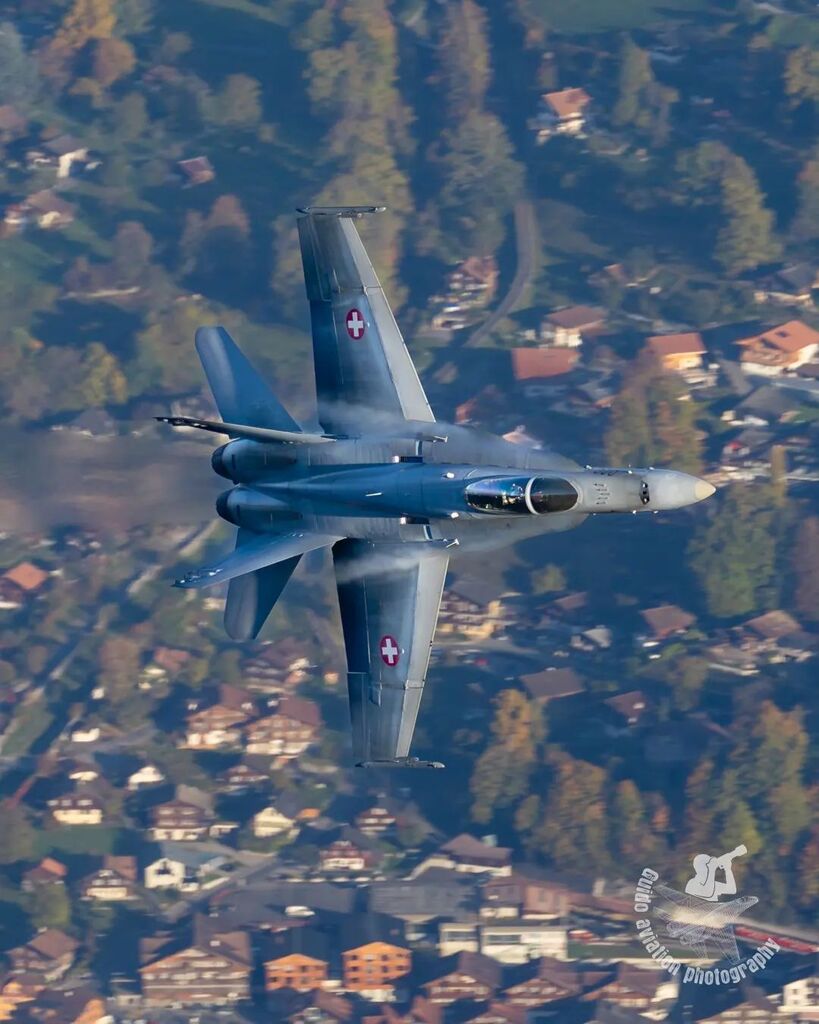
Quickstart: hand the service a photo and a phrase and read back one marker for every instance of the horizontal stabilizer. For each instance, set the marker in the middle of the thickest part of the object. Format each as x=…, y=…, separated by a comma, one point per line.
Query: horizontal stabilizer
x=341, y=211
x=401, y=762
x=241, y=395
x=240, y=430
x=261, y=551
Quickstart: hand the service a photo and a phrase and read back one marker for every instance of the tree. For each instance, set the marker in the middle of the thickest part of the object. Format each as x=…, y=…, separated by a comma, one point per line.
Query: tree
x=130, y=117
x=802, y=75
x=734, y=553
x=464, y=58
x=805, y=561
x=501, y=773
x=113, y=59
x=239, y=103
x=19, y=82
x=805, y=224
x=548, y=579
x=746, y=239
x=102, y=380
x=132, y=250
x=17, y=837
x=573, y=828
x=634, y=79
x=85, y=20
x=134, y=17
x=50, y=907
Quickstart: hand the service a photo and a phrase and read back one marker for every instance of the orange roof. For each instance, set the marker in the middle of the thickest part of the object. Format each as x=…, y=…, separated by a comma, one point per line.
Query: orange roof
x=27, y=576
x=689, y=343
x=375, y=947
x=789, y=337
x=536, y=363
x=295, y=958
x=53, y=866
x=568, y=102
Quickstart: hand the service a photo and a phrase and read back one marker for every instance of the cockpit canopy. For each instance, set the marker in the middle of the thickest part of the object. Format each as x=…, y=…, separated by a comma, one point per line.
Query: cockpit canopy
x=521, y=495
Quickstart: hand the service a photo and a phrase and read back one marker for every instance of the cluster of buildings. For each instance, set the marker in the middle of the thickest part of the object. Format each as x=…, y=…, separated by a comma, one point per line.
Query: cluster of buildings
x=469, y=288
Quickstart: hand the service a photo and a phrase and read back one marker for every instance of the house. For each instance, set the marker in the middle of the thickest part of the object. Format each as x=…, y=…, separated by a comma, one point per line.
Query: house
x=288, y=732
x=645, y=989
x=561, y=113
x=180, y=821
x=791, y=285
x=778, y=634
x=182, y=867
x=48, y=210
x=20, y=583
x=297, y=971
x=677, y=352
x=625, y=710
x=74, y=1005
x=197, y=170
x=533, y=367
x=473, y=609
x=801, y=996
x=115, y=881
x=665, y=621
x=49, y=955
x=214, y=727
x=68, y=153
x=784, y=347
x=278, y=819
x=147, y=775
x=373, y=968
x=277, y=667
x=467, y=854
x=551, y=981
x=16, y=989
x=208, y=968
x=552, y=684
x=375, y=821
x=345, y=856
x=436, y=893
x=82, y=807
x=467, y=976
x=243, y=776
x=516, y=896
x=85, y=733
x=475, y=277
x=48, y=872
x=510, y=941
x=567, y=328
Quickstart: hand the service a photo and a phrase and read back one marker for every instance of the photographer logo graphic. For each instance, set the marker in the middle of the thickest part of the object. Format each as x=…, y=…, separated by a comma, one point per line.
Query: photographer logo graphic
x=698, y=920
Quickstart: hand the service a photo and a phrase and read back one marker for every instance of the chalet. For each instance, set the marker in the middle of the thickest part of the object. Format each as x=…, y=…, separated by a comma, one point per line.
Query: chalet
x=801, y=996
x=68, y=154
x=48, y=210
x=373, y=969
x=243, y=776
x=626, y=710
x=48, y=872
x=552, y=684
x=288, y=732
x=49, y=955
x=475, y=277
x=147, y=775
x=785, y=347
x=278, y=819
x=791, y=285
x=639, y=988
x=467, y=854
x=180, y=820
x=182, y=867
x=212, y=969
x=779, y=635
x=551, y=981
x=665, y=621
x=472, y=609
x=197, y=170
x=499, y=1012
x=165, y=663
x=516, y=896
x=344, y=856
x=214, y=727
x=74, y=1005
x=569, y=327
x=82, y=807
x=467, y=976
x=535, y=369
x=375, y=821
x=561, y=113
x=277, y=668
x=296, y=971
x=20, y=583
x=16, y=989
x=677, y=352
x=115, y=881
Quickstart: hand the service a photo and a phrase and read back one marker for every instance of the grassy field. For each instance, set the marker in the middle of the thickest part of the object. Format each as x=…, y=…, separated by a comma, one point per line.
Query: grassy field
x=31, y=722
x=77, y=839
x=581, y=16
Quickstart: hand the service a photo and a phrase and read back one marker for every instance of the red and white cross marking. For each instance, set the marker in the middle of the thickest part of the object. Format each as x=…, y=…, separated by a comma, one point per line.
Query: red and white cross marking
x=389, y=650
x=355, y=324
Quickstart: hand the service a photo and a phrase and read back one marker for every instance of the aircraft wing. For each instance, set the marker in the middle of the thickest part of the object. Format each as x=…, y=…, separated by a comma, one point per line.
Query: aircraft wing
x=389, y=600
x=361, y=361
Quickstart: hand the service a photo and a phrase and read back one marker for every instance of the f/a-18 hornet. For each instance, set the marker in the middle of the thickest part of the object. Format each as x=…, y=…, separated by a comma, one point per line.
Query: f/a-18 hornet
x=390, y=490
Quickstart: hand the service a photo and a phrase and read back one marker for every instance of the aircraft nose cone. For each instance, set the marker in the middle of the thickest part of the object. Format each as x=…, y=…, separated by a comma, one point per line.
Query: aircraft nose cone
x=670, y=489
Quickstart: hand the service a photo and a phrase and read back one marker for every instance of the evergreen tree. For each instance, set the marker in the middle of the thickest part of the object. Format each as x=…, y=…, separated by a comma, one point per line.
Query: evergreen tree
x=805, y=560
x=746, y=239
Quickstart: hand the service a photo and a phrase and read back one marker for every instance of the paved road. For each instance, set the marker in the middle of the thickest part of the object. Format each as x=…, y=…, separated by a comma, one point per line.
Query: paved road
x=526, y=242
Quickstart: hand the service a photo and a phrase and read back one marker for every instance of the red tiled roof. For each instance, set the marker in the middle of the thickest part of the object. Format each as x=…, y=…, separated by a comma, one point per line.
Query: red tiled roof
x=688, y=343
x=539, y=363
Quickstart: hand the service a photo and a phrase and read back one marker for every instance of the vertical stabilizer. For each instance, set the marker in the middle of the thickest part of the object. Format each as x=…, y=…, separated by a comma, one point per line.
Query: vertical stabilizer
x=241, y=395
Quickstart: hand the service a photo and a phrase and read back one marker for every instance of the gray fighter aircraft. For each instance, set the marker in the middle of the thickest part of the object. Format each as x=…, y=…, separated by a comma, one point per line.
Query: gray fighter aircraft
x=381, y=483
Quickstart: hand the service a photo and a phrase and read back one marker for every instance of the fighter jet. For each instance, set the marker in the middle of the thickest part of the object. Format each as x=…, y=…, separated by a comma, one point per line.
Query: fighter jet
x=389, y=490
